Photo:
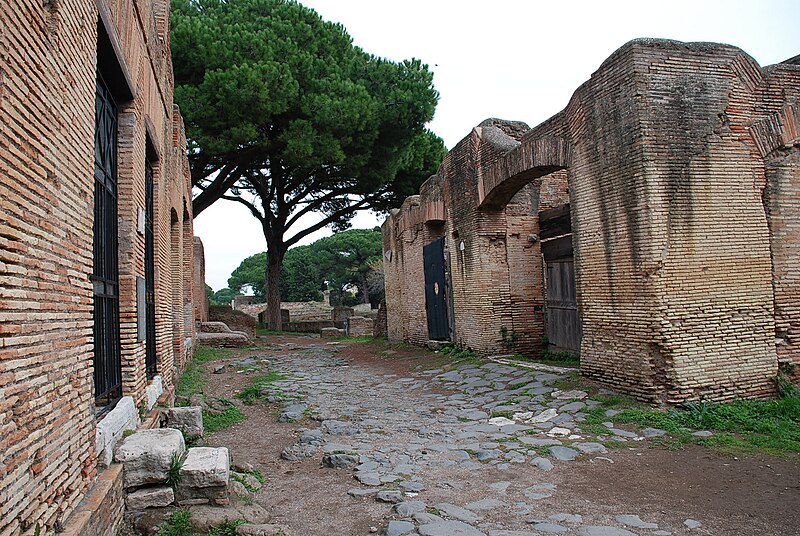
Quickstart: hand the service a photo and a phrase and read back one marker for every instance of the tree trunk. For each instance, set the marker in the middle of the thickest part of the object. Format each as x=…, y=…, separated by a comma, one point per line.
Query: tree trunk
x=272, y=288
x=364, y=290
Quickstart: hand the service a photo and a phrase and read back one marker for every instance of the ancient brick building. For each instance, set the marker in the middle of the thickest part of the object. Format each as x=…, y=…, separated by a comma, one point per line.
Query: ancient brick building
x=96, y=309
x=652, y=225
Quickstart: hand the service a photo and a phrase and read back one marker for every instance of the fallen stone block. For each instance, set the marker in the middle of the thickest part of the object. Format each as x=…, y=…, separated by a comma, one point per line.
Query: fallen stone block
x=206, y=467
x=150, y=497
x=223, y=340
x=146, y=456
x=189, y=420
x=331, y=333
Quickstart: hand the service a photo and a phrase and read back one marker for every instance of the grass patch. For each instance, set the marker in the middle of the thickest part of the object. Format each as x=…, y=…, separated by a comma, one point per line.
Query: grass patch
x=569, y=382
x=214, y=423
x=174, y=475
x=226, y=529
x=361, y=339
x=772, y=426
x=507, y=414
x=176, y=525
x=567, y=359
x=252, y=393
x=266, y=331
x=192, y=381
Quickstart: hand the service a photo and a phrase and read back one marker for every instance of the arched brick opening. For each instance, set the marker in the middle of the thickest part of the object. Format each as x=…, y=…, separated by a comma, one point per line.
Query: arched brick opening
x=777, y=138
x=528, y=187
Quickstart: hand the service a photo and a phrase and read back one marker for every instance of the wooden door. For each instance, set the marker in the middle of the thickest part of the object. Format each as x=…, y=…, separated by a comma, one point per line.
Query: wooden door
x=435, y=295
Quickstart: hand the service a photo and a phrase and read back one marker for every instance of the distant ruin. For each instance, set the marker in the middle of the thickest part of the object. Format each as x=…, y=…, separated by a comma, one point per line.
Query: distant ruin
x=653, y=225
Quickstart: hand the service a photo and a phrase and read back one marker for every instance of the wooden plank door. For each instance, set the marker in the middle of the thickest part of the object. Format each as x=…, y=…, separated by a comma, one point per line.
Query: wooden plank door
x=563, y=324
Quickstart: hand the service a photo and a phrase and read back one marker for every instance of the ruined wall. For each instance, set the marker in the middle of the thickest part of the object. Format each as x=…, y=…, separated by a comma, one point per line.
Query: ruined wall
x=777, y=136
x=199, y=288
x=663, y=164
x=47, y=113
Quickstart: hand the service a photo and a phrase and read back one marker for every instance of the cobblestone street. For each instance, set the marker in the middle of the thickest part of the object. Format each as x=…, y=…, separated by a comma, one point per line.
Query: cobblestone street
x=364, y=439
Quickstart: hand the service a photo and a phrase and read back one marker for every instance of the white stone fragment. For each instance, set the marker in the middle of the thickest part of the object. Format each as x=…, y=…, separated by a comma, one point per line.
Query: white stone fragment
x=150, y=497
x=500, y=421
x=146, y=456
x=154, y=391
x=206, y=467
x=110, y=430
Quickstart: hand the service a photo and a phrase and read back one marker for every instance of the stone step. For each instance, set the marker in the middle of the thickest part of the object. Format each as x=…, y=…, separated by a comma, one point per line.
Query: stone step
x=147, y=456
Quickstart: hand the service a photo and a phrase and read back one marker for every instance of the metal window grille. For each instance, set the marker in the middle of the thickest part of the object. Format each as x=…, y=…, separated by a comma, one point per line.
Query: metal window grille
x=105, y=273
x=149, y=261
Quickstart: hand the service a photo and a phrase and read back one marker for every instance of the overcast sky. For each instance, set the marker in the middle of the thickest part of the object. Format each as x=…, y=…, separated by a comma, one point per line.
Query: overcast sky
x=512, y=59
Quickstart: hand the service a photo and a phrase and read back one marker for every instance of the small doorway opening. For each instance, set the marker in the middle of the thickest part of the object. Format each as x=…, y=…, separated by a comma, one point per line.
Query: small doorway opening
x=562, y=321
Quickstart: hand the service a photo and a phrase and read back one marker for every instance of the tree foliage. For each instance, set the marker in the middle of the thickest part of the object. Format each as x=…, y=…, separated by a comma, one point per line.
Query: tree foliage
x=340, y=262
x=287, y=117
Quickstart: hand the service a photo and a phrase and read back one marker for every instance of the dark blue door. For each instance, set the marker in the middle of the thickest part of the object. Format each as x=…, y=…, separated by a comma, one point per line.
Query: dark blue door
x=435, y=295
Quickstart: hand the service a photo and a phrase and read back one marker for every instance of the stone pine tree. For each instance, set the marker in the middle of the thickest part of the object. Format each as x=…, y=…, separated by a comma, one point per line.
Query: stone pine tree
x=287, y=117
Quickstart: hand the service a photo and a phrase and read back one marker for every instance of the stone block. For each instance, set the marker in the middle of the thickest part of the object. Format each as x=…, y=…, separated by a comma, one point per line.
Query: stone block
x=223, y=340
x=146, y=456
x=150, y=497
x=110, y=430
x=331, y=333
x=360, y=326
x=189, y=420
x=156, y=388
x=206, y=467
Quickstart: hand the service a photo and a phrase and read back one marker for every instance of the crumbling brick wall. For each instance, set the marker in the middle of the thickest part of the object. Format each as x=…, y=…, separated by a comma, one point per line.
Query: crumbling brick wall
x=47, y=95
x=674, y=258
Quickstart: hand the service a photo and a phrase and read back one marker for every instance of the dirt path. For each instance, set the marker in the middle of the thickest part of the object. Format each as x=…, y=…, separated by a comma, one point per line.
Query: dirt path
x=400, y=420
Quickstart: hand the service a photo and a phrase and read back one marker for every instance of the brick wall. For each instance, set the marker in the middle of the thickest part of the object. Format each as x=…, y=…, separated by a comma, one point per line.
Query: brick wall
x=681, y=270
x=47, y=94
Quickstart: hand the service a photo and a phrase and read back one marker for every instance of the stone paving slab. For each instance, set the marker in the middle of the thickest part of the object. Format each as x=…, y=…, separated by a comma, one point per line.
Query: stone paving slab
x=403, y=436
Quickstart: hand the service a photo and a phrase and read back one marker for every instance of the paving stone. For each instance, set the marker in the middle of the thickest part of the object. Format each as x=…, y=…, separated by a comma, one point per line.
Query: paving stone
x=653, y=432
x=538, y=441
x=369, y=478
x=361, y=492
x=512, y=533
x=550, y=528
x=389, y=496
x=622, y=433
x=415, y=487
x=409, y=508
x=424, y=518
x=293, y=412
x=590, y=447
x=702, y=433
x=500, y=487
x=542, y=463
x=398, y=528
x=449, y=528
x=602, y=530
x=456, y=512
x=563, y=453
x=563, y=517
x=339, y=461
x=572, y=407
x=635, y=522
x=540, y=491
x=692, y=524
x=485, y=455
